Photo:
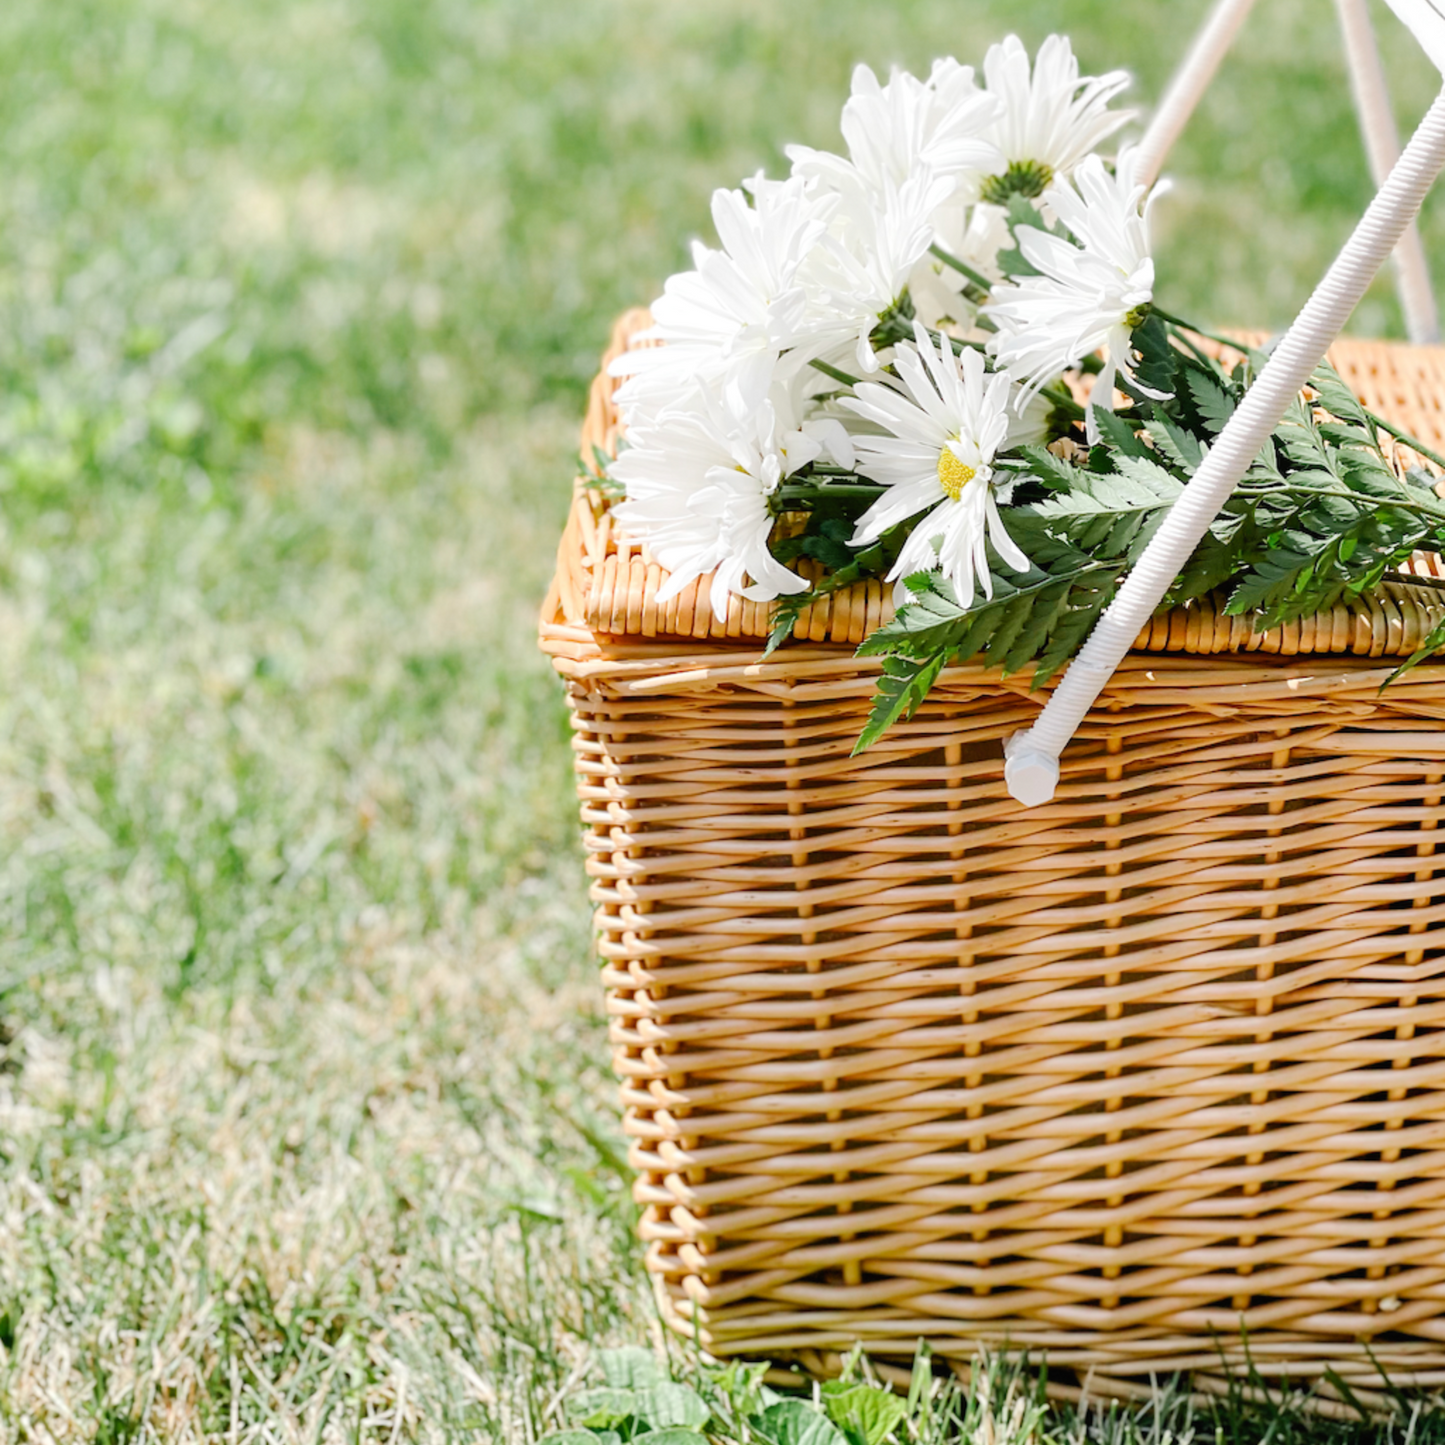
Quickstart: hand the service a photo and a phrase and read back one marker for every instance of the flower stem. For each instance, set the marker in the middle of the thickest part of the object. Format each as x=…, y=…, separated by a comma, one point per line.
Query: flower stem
x=1436, y=513
x=958, y=343
x=841, y=376
x=980, y=281
x=801, y=492
x=1233, y=343
x=1401, y=435
x=1062, y=399
x=1181, y=334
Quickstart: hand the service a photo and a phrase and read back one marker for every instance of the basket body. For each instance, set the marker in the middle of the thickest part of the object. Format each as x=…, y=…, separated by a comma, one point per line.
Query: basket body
x=1111, y=1079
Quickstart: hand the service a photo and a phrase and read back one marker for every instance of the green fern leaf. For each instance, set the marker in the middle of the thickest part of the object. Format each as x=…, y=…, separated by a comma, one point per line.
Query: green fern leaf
x=1214, y=403
x=1175, y=443
x=1119, y=433
x=901, y=688
x=1054, y=472
x=1433, y=642
x=1338, y=397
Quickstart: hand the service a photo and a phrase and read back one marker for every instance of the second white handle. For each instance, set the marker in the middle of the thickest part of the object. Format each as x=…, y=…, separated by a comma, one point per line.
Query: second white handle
x=1032, y=768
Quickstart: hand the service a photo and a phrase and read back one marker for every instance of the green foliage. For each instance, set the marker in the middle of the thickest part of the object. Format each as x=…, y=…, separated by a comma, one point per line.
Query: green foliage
x=640, y=1410
x=601, y=1409
x=732, y=1406
x=641, y=1402
x=1119, y=436
x=830, y=519
x=1155, y=368
x=1213, y=401
x=1005, y=1403
x=902, y=687
x=1340, y=402
x=1021, y=212
x=864, y=1414
x=1330, y=519
x=1082, y=542
x=596, y=475
x=797, y=1422
x=1321, y=515
x=1431, y=643
x=1013, y=627
x=632, y=1367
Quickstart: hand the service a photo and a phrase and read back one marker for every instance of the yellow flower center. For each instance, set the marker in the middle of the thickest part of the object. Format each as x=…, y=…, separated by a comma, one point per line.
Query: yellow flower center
x=953, y=475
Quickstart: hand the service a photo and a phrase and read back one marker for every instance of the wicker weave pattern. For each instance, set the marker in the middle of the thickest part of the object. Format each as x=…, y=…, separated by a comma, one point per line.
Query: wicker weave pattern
x=1107, y=1078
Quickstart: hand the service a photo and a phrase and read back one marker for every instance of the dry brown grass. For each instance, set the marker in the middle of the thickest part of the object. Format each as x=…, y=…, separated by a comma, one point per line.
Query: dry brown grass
x=304, y=1120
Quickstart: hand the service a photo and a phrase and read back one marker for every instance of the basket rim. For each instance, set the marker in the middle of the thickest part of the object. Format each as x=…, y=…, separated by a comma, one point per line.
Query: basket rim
x=603, y=597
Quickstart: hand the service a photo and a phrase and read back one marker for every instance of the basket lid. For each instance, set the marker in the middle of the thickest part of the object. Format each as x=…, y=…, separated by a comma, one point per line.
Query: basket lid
x=609, y=584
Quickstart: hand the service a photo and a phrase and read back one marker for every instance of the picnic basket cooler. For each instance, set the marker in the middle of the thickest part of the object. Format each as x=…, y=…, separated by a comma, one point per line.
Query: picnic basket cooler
x=1148, y=1078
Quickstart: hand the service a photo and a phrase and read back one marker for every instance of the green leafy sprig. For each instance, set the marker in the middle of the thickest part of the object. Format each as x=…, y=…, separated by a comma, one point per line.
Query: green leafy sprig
x=1321, y=516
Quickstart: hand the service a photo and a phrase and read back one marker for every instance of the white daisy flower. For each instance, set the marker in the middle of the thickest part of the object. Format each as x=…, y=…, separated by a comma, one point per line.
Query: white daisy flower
x=1051, y=119
x=698, y=479
x=862, y=267
x=908, y=126
x=728, y=320
x=946, y=424
x=912, y=145
x=1086, y=297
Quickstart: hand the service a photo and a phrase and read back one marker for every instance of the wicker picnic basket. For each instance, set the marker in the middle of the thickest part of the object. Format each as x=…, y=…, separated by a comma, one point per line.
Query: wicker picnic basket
x=1138, y=1080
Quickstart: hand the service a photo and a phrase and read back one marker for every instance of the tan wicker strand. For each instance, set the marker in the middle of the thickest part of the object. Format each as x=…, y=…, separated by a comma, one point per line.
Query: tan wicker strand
x=1111, y=1079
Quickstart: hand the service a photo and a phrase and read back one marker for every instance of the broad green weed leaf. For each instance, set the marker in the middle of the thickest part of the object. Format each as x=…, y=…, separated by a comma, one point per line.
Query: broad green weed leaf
x=866, y=1412
x=603, y=1407
x=632, y=1368
x=668, y=1404
x=794, y=1422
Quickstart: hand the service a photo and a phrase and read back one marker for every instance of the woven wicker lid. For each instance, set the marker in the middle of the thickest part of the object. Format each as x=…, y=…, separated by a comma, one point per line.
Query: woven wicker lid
x=609, y=584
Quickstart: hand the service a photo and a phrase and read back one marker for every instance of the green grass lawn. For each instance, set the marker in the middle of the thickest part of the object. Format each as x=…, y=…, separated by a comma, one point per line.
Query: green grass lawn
x=306, y=1124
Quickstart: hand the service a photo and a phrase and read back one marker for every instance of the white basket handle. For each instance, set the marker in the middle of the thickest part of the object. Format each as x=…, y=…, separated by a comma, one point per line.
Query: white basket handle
x=1372, y=105
x=1187, y=88
x=1382, y=145
x=1032, y=769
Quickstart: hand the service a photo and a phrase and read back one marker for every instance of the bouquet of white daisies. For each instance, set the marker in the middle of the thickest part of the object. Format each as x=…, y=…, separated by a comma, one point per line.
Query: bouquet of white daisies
x=879, y=372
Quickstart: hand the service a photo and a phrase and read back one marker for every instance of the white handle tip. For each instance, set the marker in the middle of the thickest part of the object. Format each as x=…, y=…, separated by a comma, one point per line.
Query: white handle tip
x=1030, y=774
